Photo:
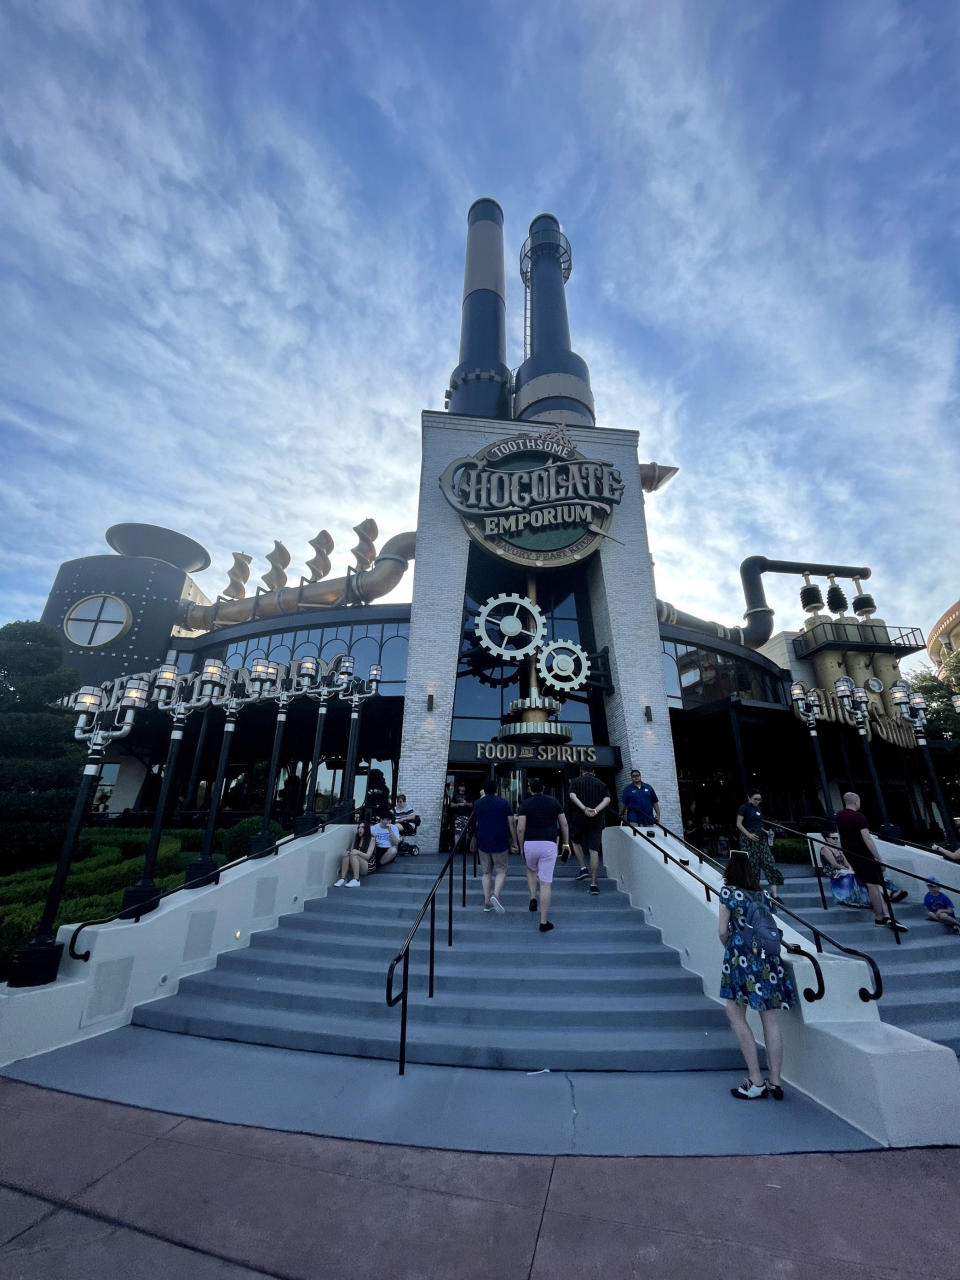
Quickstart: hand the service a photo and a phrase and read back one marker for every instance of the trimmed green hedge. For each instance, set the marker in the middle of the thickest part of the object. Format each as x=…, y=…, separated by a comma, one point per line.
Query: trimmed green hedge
x=108, y=861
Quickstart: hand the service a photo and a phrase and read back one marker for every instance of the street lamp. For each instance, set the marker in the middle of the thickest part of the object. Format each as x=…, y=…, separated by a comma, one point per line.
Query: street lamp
x=855, y=702
x=913, y=708
x=810, y=708
x=271, y=680
x=355, y=691
x=100, y=721
x=231, y=693
x=177, y=696
x=321, y=688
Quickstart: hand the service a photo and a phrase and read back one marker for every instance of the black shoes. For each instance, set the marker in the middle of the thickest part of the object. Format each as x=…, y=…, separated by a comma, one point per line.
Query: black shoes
x=545, y=928
x=595, y=888
x=533, y=905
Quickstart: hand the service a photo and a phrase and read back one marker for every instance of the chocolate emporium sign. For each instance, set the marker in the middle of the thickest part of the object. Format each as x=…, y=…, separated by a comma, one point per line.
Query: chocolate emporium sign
x=534, y=499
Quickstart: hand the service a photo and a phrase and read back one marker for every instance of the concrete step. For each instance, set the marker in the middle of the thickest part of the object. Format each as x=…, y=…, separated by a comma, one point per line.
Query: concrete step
x=516, y=1008
x=525, y=1049
x=462, y=974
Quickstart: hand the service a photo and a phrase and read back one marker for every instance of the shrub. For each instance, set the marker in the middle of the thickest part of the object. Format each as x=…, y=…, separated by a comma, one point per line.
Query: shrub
x=236, y=841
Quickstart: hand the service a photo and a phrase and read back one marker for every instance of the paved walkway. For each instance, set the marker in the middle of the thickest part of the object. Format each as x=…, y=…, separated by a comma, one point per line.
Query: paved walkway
x=95, y=1189
x=658, y=1113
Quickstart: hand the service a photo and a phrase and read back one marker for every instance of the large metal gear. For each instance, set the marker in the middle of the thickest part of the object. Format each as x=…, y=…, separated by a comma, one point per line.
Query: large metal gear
x=509, y=626
x=563, y=665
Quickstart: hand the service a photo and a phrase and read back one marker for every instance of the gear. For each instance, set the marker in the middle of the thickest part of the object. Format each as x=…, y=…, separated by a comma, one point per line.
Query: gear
x=509, y=626
x=563, y=665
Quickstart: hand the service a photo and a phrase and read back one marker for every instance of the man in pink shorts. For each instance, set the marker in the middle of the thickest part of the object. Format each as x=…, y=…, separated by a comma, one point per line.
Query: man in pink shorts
x=537, y=835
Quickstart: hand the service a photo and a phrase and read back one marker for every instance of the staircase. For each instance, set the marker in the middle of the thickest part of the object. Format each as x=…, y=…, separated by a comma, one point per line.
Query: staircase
x=601, y=992
x=921, y=976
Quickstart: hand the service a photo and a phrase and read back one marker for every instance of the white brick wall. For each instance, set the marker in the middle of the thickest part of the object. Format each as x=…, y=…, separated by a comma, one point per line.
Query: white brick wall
x=622, y=598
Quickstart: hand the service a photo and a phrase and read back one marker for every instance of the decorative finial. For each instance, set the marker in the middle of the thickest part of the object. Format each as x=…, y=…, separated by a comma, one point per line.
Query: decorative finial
x=279, y=558
x=319, y=566
x=238, y=575
x=365, y=550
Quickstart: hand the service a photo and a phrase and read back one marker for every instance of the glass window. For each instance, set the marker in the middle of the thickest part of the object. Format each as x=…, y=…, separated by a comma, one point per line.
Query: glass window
x=479, y=730
x=97, y=620
x=366, y=654
x=393, y=658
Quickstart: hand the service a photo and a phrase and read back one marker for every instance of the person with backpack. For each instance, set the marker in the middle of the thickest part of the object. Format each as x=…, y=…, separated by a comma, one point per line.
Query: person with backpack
x=753, y=975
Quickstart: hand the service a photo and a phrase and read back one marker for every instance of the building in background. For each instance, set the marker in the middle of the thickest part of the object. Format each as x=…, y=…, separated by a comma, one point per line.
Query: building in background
x=535, y=638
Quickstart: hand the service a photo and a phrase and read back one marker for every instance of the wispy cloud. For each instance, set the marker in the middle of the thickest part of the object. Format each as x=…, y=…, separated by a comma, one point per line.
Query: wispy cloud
x=231, y=249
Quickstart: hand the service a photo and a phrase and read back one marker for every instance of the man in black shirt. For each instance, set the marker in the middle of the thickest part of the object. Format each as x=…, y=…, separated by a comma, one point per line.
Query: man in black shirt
x=537, y=835
x=588, y=797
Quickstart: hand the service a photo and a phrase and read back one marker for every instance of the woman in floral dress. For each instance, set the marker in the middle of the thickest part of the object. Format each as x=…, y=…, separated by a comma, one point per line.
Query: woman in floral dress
x=751, y=981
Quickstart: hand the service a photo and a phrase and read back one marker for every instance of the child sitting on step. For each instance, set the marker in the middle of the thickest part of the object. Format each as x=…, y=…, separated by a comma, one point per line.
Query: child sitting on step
x=939, y=907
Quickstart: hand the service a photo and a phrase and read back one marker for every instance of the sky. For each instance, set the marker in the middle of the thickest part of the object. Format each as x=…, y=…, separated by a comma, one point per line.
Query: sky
x=231, y=260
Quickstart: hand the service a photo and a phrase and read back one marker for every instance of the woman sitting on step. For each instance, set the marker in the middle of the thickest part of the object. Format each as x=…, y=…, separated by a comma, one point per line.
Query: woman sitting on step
x=359, y=858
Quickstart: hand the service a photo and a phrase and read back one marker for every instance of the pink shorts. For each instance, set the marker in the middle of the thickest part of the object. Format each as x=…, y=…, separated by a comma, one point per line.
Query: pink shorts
x=541, y=857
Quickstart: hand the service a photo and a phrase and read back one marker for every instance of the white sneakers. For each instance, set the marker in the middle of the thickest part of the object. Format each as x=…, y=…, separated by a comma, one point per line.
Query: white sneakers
x=338, y=884
x=353, y=884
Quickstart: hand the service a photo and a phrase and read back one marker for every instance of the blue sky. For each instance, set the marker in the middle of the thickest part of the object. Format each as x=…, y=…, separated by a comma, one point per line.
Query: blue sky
x=231, y=254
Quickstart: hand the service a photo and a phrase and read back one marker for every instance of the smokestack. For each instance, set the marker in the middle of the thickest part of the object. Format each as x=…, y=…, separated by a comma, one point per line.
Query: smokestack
x=480, y=384
x=553, y=383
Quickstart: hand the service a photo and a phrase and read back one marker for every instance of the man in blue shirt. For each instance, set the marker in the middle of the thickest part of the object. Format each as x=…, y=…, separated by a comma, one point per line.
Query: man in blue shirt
x=494, y=834
x=639, y=803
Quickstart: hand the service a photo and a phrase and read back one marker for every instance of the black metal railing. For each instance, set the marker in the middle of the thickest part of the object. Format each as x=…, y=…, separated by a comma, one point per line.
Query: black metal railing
x=819, y=936
x=133, y=914
x=402, y=957
x=792, y=948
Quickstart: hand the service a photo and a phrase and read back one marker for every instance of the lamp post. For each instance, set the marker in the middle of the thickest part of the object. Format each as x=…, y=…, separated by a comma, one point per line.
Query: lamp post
x=100, y=721
x=270, y=680
x=231, y=694
x=355, y=691
x=321, y=688
x=177, y=695
x=855, y=701
x=808, y=704
x=913, y=708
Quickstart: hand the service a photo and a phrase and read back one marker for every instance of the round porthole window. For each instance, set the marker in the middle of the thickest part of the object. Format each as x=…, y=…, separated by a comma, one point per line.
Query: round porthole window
x=96, y=621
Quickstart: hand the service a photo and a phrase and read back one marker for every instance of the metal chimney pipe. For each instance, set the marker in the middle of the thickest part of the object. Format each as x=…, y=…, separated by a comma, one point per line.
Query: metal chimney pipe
x=480, y=384
x=553, y=383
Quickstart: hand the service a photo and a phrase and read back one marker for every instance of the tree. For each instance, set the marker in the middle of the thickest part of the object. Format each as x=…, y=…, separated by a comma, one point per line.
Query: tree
x=39, y=760
x=942, y=720
x=943, y=724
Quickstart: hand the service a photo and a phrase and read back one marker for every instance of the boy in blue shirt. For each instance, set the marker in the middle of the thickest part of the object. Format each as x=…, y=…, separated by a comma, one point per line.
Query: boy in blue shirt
x=939, y=907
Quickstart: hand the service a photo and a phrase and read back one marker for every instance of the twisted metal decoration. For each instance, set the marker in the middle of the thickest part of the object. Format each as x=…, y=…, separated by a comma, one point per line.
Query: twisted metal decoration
x=319, y=565
x=237, y=576
x=365, y=551
x=279, y=558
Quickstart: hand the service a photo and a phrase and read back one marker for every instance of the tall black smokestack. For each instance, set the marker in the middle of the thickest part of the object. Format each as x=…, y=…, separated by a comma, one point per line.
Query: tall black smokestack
x=553, y=383
x=480, y=384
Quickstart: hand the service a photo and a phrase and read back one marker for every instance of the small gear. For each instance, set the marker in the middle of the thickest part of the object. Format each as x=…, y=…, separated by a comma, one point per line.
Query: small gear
x=563, y=665
x=509, y=626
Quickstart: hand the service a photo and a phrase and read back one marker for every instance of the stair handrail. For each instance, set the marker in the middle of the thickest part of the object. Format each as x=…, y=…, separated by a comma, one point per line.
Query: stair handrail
x=819, y=936
x=888, y=866
x=793, y=948
x=133, y=915
x=403, y=955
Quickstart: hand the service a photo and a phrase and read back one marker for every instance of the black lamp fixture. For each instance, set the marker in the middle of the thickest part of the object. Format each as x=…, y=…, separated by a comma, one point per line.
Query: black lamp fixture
x=102, y=718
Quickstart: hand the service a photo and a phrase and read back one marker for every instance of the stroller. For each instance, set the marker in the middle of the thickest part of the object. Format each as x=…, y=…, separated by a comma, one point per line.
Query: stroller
x=408, y=845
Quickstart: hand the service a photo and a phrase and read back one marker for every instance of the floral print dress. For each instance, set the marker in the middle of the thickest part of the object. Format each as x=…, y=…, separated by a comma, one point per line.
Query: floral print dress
x=753, y=980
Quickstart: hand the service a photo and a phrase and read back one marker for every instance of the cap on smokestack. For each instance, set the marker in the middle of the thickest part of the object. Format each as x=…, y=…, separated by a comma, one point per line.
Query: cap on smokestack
x=480, y=384
x=553, y=383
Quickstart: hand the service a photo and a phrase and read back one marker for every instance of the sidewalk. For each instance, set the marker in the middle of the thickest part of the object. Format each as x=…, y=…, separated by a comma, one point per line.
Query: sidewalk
x=91, y=1188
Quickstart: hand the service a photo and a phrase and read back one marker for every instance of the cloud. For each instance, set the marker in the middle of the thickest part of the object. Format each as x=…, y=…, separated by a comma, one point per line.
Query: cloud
x=231, y=247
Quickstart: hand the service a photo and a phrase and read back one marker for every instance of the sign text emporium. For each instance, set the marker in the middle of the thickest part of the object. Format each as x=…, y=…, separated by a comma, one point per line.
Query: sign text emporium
x=534, y=499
